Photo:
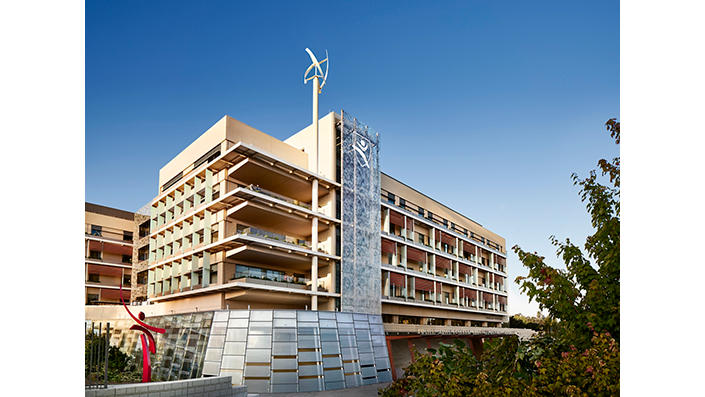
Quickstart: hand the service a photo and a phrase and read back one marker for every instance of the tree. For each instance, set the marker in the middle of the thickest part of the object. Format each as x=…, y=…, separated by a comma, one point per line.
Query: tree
x=582, y=296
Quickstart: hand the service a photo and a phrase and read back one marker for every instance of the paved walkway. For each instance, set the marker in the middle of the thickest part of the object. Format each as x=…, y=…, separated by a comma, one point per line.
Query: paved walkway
x=362, y=391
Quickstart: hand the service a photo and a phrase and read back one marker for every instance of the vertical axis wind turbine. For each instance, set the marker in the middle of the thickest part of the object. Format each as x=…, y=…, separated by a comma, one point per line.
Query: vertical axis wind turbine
x=317, y=89
x=317, y=74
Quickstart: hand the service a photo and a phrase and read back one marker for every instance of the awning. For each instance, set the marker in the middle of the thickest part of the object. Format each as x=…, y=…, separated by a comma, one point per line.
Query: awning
x=448, y=239
x=421, y=284
x=114, y=294
x=487, y=297
x=389, y=247
x=396, y=279
x=470, y=293
x=499, y=260
x=502, y=299
x=106, y=270
x=415, y=254
x=464, y=269
x=409, y=223
x=396, y=218
x=445, y=238
x=117, y=249
x=442, y=263
x=469, y=248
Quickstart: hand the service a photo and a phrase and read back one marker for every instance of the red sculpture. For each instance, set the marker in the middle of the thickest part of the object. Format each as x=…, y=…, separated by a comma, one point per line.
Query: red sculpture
x=147, y=346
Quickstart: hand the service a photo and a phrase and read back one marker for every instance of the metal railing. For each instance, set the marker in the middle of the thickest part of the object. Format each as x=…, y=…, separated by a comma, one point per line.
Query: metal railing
x=96, y=355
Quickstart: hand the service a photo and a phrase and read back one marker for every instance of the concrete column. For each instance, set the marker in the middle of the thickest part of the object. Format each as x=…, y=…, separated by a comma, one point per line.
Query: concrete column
x=457, y=296
x=187, y=194
x=406, y=287
x=206, y=269
x=424, y=320
x=447, y=322
x=385, y=223
x=387, y=285
x=314, y=225
x=207, y=227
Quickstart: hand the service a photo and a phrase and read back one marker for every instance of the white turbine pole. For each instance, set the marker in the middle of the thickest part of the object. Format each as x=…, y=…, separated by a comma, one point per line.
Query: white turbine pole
x=317, y=85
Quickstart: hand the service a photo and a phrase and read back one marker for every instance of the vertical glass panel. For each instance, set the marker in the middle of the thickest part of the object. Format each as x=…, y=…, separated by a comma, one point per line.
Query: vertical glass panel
x=259, y=341
x=284, y=348
x=329, y=335
x=284, y=322
x=239, y=314
x=258, y=355
x=233, y=362
x=331, y=348
x=307, y=315
x=236, y=335
x=326, y=315
x=234, y=348
x=261, y=315
x=328, y=323
x=238, y=323
x=284, y=334
x=284, y=314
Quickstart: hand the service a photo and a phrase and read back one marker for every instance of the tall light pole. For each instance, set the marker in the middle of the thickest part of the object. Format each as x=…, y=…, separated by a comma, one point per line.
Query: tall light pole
x=317, y=87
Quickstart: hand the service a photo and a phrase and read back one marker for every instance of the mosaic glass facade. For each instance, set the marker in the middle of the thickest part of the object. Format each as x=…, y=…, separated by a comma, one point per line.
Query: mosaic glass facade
x=360, y=275
x=287, y=351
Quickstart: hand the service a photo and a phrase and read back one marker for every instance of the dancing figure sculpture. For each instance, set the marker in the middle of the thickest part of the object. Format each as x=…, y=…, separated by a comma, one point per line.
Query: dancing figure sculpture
x=148, y=344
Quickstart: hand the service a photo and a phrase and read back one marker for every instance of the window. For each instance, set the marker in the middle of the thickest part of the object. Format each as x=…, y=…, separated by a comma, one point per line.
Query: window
x=390, y=198
x=144, y=229
x=421, y=238
x=91, y=298
x=445, y=222
x=96, y=230
x=94, y=254
x=143, y=253
x=214, y=274
x=429, y=215
x=127, y=259
x=127, y=236
x=421, y=211
x=127, y=280
x=142, y=277
x=93, y=277
x=402, y=203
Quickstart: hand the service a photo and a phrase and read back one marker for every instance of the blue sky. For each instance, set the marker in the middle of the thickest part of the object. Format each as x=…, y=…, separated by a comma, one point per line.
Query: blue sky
x=501, y=100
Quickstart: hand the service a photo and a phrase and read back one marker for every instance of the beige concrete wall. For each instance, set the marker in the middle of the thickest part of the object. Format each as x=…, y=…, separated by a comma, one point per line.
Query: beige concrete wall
x=109, y=223
x=305, y=140
x=390, y=184
x=233, y=131
x=213, y=136
x=238, y=131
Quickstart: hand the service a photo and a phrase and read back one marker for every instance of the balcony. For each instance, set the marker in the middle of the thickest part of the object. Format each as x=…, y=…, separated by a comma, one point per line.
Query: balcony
x=257, y=172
